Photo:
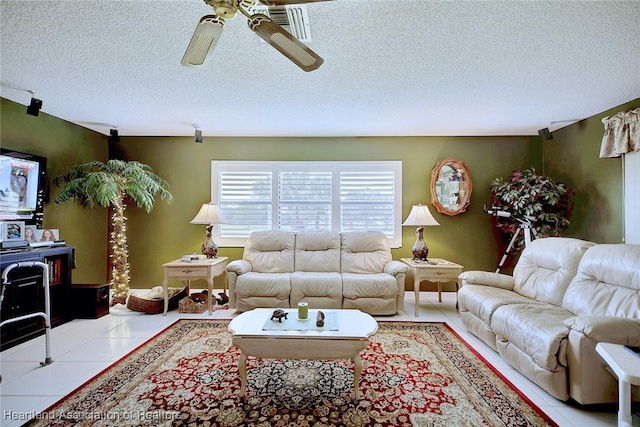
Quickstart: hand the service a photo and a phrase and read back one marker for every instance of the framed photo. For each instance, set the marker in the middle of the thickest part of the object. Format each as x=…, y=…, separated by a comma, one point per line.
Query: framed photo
x=30, y=233
x=13, y=230
x=47, y=235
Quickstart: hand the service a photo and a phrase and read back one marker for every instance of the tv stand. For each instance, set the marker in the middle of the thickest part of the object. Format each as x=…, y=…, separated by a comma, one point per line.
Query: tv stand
x=14, y=245
x=24, y=293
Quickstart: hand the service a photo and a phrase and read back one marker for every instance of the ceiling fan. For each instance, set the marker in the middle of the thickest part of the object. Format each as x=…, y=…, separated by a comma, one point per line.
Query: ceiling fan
x=210, y=27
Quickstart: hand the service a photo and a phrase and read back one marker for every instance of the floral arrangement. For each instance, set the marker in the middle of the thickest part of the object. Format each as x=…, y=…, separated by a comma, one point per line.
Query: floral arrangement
x=545, y=202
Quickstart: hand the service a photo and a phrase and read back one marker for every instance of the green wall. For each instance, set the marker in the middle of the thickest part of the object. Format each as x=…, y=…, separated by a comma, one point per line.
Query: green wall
x=63, y=144
x=572, y=157
x=165, y=234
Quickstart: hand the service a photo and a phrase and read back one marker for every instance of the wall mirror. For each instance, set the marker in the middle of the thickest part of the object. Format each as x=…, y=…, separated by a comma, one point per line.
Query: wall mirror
x=450, y=186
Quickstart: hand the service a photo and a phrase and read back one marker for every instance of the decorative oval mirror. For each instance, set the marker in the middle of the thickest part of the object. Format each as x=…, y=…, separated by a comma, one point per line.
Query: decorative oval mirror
x=450, y=187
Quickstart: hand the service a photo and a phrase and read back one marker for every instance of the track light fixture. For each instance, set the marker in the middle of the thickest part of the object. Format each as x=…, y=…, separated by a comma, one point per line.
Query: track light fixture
x=33, y=109
x=198, y=135
x=545, y=134
x=113, y=135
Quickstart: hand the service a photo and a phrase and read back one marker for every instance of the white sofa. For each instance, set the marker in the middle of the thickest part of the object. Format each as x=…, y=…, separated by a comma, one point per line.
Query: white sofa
x=564, y=297
x=326, y=269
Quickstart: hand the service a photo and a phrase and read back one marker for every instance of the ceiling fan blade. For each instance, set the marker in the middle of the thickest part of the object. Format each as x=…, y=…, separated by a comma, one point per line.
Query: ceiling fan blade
x=203, y=41
x=284, y=42
x=286, y=2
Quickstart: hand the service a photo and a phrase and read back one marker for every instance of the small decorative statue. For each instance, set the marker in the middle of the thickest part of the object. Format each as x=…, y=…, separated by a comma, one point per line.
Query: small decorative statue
x=320, y=319
x=419, y=248
x=279, y=314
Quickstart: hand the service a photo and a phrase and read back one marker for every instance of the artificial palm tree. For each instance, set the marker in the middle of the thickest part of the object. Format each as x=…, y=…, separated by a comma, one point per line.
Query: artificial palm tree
x=113, y=184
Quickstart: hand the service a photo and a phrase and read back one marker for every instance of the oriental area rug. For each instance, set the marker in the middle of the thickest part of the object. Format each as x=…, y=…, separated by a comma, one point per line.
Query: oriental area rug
x=413, y=374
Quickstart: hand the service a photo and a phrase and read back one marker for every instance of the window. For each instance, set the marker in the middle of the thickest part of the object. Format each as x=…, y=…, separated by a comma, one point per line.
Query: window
x=306, y=196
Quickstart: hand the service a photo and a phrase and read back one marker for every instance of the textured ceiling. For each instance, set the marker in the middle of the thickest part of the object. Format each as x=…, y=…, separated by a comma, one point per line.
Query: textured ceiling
x=392, y=67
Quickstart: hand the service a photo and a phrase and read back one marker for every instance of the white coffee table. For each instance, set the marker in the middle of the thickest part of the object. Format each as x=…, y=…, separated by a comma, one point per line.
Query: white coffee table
x=348, y=337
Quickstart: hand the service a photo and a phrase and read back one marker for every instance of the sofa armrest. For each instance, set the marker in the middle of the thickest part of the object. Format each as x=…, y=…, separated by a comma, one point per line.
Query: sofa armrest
x=486, y=278
x=234, y=269
x=617, y=330
x=395, y=267
x=398, y=269
x=239, y=266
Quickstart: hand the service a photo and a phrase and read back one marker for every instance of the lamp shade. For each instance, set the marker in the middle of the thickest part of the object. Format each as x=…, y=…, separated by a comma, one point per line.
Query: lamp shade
x=209, y=213
x=420, y=215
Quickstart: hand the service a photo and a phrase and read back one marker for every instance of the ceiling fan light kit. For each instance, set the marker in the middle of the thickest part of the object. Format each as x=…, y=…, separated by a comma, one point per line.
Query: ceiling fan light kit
x=210, y=27
x=224, y=9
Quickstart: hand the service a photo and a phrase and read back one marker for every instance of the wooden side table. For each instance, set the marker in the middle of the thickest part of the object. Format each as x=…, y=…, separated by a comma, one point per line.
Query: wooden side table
x=436, y=270
x=187, y=271
x=626, y=365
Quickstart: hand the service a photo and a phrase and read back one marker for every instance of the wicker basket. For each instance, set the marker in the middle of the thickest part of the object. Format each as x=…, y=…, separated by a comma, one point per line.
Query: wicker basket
x=151, y=303
x=193, y=304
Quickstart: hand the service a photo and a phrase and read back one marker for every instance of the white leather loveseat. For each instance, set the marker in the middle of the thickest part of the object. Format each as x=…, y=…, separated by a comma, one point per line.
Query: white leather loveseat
x=564, y=297
x=326, y=269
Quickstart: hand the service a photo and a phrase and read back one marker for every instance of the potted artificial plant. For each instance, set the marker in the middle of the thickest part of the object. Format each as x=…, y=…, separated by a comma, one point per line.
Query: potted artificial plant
x=113, y=184
x=526, y=193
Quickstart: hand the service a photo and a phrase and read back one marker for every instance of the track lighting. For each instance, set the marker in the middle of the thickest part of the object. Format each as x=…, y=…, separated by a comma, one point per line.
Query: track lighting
x=113, y=135
x=545, y=134
x=33, y=109
x=198, y=136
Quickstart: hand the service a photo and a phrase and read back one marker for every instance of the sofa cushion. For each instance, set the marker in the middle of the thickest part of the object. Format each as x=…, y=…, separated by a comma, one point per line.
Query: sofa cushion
x=320, y=290
x=380, y=285
x=537, y=330
x=318, y=252
x=483, y=301
x=547, y=266
x=607, y=282
x=375, y=294
x=365, y=252
x=270, y=251
x=252, y=284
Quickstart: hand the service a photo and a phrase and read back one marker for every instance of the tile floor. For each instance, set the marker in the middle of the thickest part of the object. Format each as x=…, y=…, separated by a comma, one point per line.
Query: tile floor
x=82, y=348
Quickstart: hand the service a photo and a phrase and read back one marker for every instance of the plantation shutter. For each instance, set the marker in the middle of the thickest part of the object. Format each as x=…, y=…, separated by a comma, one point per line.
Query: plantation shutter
x=367, y=201
x=304, y=201
x=245, y=199
x=306, y=196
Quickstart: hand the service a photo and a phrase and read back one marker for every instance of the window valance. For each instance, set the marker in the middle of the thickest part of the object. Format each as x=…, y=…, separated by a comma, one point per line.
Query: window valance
x=621, y=134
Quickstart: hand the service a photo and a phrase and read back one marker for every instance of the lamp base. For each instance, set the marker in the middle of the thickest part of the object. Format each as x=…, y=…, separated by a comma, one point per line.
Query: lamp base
x=209, y=247
x=419, y=249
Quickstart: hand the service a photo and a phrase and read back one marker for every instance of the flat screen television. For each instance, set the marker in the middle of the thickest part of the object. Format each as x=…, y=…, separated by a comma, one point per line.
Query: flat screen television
x=23, y=180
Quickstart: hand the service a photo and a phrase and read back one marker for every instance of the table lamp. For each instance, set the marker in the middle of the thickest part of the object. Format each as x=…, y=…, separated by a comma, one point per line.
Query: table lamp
x=209, y=214
x=420, y=216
